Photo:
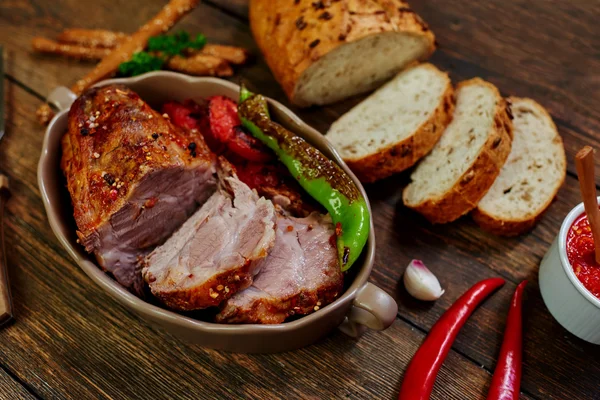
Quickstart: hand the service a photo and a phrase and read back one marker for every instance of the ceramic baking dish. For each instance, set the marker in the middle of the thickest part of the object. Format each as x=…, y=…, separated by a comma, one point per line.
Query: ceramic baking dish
x=361, y=305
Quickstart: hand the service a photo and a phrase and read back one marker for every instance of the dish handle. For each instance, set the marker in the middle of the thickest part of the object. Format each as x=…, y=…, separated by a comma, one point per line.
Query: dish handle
x=61, y=98
x=372, y=308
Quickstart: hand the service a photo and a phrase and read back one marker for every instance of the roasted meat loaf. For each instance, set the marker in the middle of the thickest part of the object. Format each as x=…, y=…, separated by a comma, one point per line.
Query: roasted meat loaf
x=134, y=177
x=300, y=275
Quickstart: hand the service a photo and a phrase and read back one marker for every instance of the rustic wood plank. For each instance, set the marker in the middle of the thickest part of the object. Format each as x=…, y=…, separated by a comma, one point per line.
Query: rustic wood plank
x=238, y=8
x=460, y=253
x=72, y=340
x=10, y=389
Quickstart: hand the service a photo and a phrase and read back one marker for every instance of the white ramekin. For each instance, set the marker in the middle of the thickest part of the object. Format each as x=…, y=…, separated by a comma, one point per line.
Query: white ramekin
x=569, y=302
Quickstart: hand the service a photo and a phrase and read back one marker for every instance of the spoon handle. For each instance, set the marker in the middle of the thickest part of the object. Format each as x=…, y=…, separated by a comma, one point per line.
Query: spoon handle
x=6, y=311
x=584, y=161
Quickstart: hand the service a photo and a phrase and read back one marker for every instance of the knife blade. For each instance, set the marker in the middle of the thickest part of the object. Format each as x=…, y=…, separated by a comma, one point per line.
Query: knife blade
x=6, y=308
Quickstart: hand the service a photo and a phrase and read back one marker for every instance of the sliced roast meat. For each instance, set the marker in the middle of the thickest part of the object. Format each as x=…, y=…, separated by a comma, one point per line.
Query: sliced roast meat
x=210, y=258
x=134, y=177
x=300, y=275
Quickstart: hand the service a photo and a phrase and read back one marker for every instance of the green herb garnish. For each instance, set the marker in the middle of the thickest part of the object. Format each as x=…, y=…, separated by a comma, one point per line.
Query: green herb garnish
x=160, y=49
x=175, y=44
x=141, y=63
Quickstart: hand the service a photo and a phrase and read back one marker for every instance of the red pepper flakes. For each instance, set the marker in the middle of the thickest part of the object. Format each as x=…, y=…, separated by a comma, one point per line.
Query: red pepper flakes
x=151, y=202
x=338, y=229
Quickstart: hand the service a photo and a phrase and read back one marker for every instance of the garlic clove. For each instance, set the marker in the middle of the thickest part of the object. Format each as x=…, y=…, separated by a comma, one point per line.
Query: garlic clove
x=421, y=283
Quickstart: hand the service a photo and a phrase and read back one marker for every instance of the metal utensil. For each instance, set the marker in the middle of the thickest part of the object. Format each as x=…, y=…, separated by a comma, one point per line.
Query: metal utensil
x=6, y=309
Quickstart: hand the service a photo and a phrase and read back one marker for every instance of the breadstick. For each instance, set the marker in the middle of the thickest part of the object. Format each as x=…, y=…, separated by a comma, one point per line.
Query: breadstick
x=109, y=39
x=92, y=37
x=200, y=65
x=164, y=20
x=234, y=55
x=47, y=46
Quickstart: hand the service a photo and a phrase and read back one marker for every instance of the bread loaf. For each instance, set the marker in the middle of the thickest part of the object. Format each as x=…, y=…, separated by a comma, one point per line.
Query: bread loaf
x=531, y=177
x=464, y=163
x=324, y=51
x=397, y=125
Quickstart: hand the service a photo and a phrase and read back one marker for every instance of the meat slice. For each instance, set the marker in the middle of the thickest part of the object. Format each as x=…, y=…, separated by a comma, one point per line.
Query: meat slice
x=134, y=177
x=300, y=275
x=211, y=257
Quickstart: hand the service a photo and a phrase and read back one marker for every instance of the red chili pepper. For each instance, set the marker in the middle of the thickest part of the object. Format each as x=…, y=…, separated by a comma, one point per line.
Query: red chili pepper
x=506, y=382
x=423, y=368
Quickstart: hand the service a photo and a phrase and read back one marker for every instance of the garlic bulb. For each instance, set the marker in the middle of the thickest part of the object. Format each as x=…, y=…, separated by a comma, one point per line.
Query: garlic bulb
x=421, y=283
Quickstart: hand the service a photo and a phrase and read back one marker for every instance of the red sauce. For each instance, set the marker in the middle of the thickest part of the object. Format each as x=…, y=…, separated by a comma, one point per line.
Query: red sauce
x=580, y=251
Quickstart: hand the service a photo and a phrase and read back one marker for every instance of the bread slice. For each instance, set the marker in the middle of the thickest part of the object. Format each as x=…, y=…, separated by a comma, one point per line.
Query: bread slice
x=325, y=51
x=535, y=170
x=397, y=125
x=464, y=163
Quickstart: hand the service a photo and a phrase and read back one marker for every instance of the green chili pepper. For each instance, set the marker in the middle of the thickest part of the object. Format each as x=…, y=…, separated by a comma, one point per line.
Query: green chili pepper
x=322, y=178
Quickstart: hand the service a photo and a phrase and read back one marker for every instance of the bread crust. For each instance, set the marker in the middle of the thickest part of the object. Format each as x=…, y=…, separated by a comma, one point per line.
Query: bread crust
x=292, y=35
x=515, y=227
x=506, y=228
x=403, y=155
x=479, y=177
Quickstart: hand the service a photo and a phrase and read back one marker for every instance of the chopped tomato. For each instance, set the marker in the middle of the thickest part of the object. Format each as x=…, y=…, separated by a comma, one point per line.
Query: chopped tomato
x=247, y=146
x=256, y=175
x=226, y=127
x=223, y=117
x=180, y=114
x=220, y=125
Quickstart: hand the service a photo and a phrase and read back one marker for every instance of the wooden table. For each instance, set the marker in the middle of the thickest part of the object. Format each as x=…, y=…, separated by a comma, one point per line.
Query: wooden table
x=71, y=340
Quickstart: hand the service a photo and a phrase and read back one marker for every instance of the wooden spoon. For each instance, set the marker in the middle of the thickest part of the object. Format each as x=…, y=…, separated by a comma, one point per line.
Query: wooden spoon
x=584, y=161
x=6, y=311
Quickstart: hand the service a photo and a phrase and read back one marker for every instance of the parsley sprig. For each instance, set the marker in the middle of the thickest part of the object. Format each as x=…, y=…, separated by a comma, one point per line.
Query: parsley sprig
x=160, y=49
x=141, y=63
x=174, y=45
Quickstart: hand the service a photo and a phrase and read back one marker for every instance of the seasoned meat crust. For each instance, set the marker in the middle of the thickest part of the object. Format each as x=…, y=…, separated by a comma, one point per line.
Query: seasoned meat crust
x=134, y=177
